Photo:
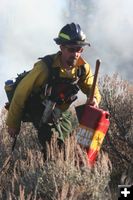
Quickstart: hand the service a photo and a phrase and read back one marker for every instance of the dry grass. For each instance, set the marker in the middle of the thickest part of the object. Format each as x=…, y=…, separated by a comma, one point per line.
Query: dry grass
x=117, y=98
x=64, y=176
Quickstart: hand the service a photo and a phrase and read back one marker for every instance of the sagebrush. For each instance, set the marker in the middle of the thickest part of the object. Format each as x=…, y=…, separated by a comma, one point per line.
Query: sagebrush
x=66, y=175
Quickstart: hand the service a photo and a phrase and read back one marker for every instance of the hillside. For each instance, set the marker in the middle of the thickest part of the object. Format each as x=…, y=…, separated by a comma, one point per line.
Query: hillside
x=65, y=174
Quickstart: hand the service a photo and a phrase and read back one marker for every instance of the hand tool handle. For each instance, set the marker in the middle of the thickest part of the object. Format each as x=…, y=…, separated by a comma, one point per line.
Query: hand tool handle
x=94, y=80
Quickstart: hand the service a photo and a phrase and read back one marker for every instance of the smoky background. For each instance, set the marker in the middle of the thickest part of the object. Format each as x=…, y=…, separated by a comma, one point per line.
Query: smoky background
x=27, y=29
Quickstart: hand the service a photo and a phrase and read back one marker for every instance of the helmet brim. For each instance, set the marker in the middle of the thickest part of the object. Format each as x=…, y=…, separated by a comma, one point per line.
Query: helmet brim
x=70, y=42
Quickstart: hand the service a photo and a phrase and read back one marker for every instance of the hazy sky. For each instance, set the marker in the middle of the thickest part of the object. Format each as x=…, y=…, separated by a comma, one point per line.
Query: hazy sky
x=109, y=27
x=27, y=29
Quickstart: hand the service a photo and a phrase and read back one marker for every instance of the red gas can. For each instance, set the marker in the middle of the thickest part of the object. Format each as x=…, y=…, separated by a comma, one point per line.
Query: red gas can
x=92, y=129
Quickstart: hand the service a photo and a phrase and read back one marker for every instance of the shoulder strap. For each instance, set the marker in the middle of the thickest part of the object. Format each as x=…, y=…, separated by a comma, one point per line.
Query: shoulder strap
x=49, y=61
x=81, y=71
x=54, y=72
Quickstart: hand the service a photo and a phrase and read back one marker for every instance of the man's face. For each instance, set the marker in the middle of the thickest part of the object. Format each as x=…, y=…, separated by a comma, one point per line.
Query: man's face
x=70, y=54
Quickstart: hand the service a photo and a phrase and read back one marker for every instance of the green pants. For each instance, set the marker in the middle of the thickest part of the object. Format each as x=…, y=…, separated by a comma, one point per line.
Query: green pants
x=63, y=128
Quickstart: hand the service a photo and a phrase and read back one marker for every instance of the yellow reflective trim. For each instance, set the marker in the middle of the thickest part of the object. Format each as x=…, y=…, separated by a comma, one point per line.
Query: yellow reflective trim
x=63, y=35
x=97, y=140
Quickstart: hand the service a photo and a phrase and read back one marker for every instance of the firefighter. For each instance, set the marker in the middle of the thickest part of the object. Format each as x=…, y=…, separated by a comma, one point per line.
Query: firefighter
x=50, y=108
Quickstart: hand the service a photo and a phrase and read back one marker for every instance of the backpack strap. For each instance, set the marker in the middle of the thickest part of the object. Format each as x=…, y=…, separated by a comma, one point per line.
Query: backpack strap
x=54, y=72
x=81, y=71
x=49, y=61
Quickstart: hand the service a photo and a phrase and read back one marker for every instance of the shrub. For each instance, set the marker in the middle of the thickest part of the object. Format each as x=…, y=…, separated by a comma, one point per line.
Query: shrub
x=65, y=174
x=117, y=98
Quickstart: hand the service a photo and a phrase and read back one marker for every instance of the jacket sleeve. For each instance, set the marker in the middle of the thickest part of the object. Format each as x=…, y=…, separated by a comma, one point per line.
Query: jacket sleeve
x=85, y=83
x=36, y=77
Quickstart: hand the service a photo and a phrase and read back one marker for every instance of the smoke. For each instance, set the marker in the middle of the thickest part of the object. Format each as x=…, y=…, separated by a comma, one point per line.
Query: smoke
x=109, y=29
x=27, y=29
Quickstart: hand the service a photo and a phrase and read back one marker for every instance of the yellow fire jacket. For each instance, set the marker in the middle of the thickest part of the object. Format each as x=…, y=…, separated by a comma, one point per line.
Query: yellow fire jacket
x=37, y=77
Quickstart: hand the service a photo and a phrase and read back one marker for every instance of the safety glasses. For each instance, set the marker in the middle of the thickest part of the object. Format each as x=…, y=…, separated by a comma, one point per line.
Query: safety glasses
x=74, y=49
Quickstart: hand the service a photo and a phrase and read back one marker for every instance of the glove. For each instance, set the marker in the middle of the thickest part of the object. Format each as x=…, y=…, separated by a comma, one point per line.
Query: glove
x=13, y=132
x=93, y=102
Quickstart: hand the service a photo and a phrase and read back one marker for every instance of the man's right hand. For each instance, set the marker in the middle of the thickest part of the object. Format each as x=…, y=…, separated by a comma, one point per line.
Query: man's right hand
x=13, y=131
x=93, y=102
